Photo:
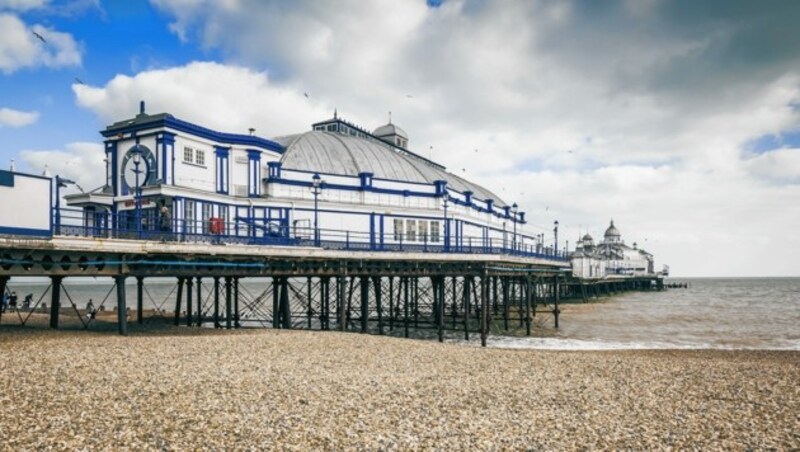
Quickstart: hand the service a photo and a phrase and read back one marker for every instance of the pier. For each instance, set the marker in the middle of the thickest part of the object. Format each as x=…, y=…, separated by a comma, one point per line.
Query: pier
x=400, y=293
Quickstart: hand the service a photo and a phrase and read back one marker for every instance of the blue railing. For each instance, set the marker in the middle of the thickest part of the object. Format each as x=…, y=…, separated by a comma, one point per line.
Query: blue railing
x=72, y=222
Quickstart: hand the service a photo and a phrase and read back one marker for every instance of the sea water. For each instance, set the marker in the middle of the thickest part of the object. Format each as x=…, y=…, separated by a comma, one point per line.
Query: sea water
x=716, y=313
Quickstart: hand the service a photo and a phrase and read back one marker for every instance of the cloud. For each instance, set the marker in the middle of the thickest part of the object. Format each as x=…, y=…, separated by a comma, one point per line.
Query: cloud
x=227, y=98
x=20, y=48
x=22, y=5
x=81, y=162
x=16, y=118
x=641, y=111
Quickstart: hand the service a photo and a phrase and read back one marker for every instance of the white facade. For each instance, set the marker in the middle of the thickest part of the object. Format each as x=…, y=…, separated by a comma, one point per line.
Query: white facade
x=368, y=191
x=610, y=257
x=25, y=204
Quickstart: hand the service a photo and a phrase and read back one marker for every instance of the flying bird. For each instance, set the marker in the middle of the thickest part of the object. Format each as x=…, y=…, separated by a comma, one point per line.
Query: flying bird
x=464, y=170
x=409, y=96
x=306, y=94
x=79, y=81
x=39, y=36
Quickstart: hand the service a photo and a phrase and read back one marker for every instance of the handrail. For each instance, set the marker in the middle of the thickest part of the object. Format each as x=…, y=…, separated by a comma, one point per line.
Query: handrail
x=74, y=222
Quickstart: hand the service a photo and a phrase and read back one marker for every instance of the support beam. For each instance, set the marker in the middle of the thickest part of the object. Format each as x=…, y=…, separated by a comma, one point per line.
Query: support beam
x=3, y=285
x=467, y=282
x=178, y=300
x=139, y=299
x=228, y=305
x=506, y=301
x=216, y=302
x=341, y=299
x=188, y=301
x=484, y=309
x=364, y=285
x=236, y=323
x=310, y=309
x=286, y=309
x=276, y=302
x=122, y=308
x=55, y=300
x=405, y=281
x=199, y=301
x=378, y=305
x=441, y=304
x=528, y=305
x=557, y=293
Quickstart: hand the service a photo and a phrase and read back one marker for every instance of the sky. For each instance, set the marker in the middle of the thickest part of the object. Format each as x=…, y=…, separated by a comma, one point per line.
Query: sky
x=678, y=119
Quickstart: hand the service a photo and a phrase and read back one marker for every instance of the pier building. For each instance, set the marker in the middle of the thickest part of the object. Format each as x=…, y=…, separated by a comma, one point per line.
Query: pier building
x=609, y=257
x=343, y=228
x=335, y=184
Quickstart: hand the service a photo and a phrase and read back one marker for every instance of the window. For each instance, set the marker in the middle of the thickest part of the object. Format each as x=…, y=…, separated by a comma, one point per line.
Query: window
x=190, y=216
x=411, y=230
x=423, y=231
x=207, y=218
x=398, y=229
x=434, y=231
x=188, y=154
x=332, y=128
x=200, y=157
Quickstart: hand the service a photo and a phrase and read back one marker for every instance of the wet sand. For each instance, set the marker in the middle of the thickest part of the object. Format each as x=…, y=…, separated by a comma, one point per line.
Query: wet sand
x=180, y=388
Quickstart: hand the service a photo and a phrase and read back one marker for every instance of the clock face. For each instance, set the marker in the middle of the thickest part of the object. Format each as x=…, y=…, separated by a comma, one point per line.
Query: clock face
x=144, y=170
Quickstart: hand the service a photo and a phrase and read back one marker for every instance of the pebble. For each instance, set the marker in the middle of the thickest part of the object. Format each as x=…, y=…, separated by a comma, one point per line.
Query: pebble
x=264, y=389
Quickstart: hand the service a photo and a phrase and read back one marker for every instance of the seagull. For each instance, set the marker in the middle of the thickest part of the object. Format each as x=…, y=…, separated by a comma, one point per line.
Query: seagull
x=79, y=81
x=39, y=36
x=409, y=96
x=464, y=170
x=476, y=150
x=306, y=94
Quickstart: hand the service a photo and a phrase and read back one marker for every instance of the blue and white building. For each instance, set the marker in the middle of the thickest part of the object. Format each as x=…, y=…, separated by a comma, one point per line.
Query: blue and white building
x=336, y=185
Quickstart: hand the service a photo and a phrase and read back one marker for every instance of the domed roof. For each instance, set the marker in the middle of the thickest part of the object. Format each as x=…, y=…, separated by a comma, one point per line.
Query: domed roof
x=334, y=153
x=587, y=238
x=612, y=231
x=389, y=130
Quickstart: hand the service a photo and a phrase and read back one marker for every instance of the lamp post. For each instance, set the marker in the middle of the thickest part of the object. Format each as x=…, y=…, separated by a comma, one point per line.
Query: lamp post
x=137, y=160
x=316, y=189
x=60, y=183
x=514, y=209
x=555, y=232
x=445, y=202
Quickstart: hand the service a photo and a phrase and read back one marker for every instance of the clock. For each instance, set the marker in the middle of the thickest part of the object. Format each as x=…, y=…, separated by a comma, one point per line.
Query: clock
x=145, y=168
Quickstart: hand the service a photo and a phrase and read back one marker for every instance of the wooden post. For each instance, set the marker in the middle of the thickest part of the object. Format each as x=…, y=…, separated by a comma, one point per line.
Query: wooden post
x=528, y=305
x=236, y=323
x=364, y=285
x=199, y=301
x=216, y=302
x=467, y=307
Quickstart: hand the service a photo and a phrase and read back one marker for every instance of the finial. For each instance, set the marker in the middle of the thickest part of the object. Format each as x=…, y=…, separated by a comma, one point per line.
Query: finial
x=335, y=114
x=13, y=167
x=251, y=130
x=390, y=117
x=141, y=107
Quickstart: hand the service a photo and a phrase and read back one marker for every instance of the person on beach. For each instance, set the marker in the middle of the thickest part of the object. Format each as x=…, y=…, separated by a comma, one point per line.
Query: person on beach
x=90, y=311
x=164, y=217
x=12, y=301
x=4, y=303
x=26, y=304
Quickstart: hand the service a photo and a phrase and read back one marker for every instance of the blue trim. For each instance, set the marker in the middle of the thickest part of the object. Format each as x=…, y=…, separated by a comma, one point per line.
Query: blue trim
x=372, y=230
x=26, y=231
x=351, y=176
x=330, y=186
x=6, y=178
x=168, y=121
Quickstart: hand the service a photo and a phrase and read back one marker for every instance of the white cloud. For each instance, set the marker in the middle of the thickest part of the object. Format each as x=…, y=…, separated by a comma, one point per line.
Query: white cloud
x=81, y=162
x=16, y=118
x=577, y=114
x=20, y=48
x=22, y=5
x=227, y=98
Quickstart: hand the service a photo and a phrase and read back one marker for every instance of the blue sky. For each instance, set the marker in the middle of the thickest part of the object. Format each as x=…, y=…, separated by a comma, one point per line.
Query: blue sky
x=691, y=107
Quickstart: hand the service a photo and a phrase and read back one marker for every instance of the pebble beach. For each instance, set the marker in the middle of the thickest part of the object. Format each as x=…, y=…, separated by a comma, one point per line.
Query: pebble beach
x=182, y=389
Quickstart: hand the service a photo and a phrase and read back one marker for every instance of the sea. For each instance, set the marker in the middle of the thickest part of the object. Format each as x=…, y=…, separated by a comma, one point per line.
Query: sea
x=711, y=313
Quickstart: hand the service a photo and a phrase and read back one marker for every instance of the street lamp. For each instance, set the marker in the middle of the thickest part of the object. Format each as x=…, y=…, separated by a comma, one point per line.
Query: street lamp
x=137, y=160
x=316, y=189
x=60, y=183
x=555, y=232
x=445, y=202
x=514, y=209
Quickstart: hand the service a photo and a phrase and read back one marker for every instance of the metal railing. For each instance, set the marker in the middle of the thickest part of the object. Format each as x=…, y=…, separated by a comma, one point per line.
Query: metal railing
x=73, y=222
